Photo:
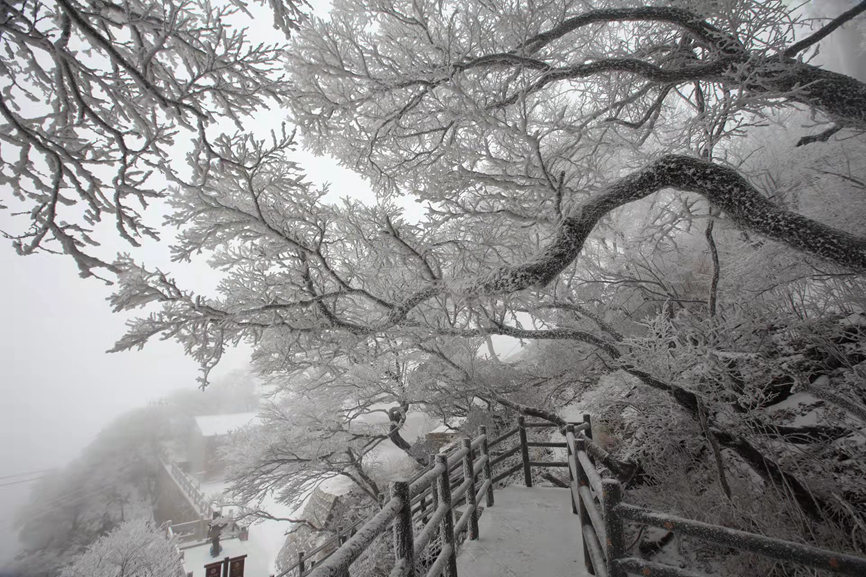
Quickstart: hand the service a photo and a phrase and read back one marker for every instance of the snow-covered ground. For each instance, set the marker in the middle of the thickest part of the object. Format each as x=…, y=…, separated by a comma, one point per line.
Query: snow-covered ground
x=527, y=532
x=256, y=564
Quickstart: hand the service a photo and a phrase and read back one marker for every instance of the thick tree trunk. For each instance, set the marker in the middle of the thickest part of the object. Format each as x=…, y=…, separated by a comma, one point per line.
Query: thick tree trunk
x=839, y=96
x=724, y=187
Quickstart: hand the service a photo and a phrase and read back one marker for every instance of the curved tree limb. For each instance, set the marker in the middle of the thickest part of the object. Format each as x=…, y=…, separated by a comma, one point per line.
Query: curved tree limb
x=841, y=97
x=850, y=14
x=724, y=187
x=705, y=33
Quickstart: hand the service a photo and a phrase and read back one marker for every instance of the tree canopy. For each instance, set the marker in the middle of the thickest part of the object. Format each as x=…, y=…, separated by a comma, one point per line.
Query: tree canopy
x=610, y=179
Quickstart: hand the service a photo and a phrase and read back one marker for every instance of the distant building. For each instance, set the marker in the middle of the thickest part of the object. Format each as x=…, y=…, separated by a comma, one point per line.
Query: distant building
x=209, y=434
x=443, y=436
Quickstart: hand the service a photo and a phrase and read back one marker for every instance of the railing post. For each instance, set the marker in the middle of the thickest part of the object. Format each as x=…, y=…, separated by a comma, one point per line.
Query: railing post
x=422, y=508
x=404, y=547
x=300, y=564
x=524, y=451
x=614, y=547
x=444, y=483
x=434, y=494
x=582, y=481
x=469, y=478
x=588, y=420
x=488, y=475
x=573, y=465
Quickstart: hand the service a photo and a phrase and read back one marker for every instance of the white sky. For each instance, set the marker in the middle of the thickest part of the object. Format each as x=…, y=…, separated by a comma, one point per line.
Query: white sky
x=57, y=386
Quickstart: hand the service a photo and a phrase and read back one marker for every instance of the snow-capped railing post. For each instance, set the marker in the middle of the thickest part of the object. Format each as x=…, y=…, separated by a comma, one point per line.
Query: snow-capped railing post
x=587, y=419
x=434, y=494
x=301, y=564
x=488, y=476
x=581, y=485
x=611, y=497
x=404, y=547
x=444, y=489
x=469, y=479
x=524, y=451
x=573, y=468
x=422, y=508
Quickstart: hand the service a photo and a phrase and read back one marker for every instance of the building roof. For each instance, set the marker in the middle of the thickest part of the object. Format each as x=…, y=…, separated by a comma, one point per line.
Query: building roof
x=217, y=425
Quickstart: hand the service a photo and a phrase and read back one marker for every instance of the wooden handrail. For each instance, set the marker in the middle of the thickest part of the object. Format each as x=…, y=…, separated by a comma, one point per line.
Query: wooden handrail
x=509, y=433
x=593, y=548
x=448, y=481
x=343, y=557
x=508, y=472
x=502, y=456
x=402, y=505
x=602, y=530
x=591, y=473
x=779, y=549
x=426, y=534
x=596, y=521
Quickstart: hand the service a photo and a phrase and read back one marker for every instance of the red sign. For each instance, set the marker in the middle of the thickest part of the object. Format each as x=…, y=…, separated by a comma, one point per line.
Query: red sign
x=236, y=567
x=213, y=570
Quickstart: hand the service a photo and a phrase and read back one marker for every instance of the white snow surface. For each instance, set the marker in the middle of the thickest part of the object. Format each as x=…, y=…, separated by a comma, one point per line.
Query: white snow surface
x=266, y=538
x=257, y=563
x=526, y=532
x=216, y=425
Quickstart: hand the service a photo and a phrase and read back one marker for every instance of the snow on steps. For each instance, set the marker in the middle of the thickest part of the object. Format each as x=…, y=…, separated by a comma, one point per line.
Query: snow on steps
x=527, y=532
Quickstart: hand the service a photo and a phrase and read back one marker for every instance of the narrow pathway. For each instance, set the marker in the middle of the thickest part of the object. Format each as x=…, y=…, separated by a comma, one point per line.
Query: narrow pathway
x=527, y=533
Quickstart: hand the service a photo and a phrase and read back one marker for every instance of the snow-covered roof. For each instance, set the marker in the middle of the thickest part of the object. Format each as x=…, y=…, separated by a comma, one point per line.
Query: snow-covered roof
x=216, y=425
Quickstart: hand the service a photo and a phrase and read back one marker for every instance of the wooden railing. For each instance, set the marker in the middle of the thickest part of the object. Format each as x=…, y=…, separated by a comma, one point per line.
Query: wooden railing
x=442, y=501
x=603, y=515
x=190, y=488
x=426, y=507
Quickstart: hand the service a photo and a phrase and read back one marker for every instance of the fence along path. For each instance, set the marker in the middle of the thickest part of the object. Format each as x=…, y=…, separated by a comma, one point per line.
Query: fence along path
x=451, y=480
x=431, y=513
x=599, y=504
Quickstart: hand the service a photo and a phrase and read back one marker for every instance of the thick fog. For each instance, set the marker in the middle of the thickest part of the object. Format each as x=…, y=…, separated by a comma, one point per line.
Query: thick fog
x=59, y=387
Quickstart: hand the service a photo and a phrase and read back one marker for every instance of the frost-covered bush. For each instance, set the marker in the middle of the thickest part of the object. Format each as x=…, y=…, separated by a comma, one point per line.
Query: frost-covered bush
x=135, y=548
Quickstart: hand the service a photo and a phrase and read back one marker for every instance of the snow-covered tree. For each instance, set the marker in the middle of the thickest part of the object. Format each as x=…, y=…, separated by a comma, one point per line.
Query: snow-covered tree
x=516, y=189
x=575, y=160
x=136, y=548
x=95, y=97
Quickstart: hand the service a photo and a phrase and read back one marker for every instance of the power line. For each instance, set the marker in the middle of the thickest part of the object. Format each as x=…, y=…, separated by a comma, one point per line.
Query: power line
x=70, y=497
x=25, y=474
x=22, y=481
x=50, y=507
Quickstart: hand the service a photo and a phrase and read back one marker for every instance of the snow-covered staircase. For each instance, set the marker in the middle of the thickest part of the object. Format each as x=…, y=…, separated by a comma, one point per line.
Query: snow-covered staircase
x=529, y=531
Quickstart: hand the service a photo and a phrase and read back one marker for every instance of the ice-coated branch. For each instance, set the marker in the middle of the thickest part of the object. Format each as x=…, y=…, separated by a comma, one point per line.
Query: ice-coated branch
x=724, y=187
x=94, y=97
x=825, y=31
x=705, y=33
